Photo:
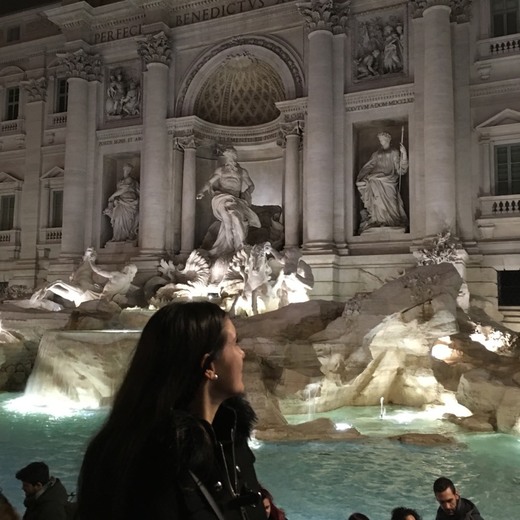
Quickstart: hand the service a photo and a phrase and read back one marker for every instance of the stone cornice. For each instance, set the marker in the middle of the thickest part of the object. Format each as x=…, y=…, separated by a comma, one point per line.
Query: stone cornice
x=293, y=110
x=204, y=131
x=379, y=98
x=127, y=134
x=498, y=88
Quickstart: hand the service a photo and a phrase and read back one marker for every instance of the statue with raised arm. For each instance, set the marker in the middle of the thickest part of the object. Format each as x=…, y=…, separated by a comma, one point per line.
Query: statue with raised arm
x=123, y=208
x=378, y=183
x=230, y=188
x=118, y=283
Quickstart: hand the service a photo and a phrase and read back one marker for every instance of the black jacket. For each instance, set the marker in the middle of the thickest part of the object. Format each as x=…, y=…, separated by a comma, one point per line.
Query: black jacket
x=160, y=480
x=466, y=510
x=50, y=505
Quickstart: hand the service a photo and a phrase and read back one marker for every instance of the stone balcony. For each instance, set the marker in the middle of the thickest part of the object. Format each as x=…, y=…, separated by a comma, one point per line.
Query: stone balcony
x=14, y=126
x=57, y=120
x=50, y=235
x=499, y=216
x=495, y=54
x=497, y=47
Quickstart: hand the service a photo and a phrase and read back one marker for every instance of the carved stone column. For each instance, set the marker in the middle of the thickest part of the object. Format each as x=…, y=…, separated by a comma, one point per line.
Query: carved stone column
x=292, y=133
x=156, y=53
x=321, y=18
x=189, y=188
x=439, y=130
x=36, y=93
x=178, y=166
x=82, y=68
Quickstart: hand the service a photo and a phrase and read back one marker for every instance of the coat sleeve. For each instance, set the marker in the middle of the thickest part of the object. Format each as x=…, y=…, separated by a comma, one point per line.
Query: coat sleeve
x=52, y=511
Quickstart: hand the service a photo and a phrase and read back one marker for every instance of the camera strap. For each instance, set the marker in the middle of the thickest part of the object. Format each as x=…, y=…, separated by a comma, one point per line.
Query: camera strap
x=207, y=496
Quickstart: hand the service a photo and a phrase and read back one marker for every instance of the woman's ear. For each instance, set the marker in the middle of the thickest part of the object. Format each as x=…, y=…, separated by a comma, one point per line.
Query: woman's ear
x=208, y=367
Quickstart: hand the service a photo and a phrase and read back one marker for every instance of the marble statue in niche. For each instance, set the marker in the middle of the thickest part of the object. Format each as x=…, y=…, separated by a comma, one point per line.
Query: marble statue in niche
x=379, y=186
x=230, y=188
x=123, y=208
x=123, y=95
x=380, y=46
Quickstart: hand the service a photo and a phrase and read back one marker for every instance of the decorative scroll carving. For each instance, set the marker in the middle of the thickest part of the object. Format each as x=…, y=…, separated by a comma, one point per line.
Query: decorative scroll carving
x=155, y=48
x=460, y=9
x=186, y=142
x=36, y=89
x=292, y=128
x=79, y=64
x=325, y=14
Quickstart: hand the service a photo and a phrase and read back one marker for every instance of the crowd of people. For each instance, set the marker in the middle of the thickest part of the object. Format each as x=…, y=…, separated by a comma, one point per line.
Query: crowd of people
x=175, y=443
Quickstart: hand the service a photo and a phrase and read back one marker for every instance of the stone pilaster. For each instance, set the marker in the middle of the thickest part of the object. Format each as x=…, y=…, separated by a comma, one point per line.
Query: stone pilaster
x=322, y=20
x=189, y=188
x=156, y=53
x=292, y=133
x=81, y=68
x=178, y=166
x=36, y=92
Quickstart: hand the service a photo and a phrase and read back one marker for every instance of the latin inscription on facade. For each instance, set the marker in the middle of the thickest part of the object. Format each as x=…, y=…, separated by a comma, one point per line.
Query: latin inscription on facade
x=222, y=10
x=117, y=34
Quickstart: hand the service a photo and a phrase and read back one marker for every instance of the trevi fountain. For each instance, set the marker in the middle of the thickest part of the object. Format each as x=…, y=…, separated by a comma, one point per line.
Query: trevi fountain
x=361, y=404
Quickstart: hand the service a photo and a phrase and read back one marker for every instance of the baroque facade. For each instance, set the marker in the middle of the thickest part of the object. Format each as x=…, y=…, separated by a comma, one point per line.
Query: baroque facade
x=375, y=125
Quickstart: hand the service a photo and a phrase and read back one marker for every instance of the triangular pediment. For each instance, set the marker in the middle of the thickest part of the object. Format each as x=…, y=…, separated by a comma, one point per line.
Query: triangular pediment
x=8, y=177
x=53, y=173
x=507, y=116
x=11, y=70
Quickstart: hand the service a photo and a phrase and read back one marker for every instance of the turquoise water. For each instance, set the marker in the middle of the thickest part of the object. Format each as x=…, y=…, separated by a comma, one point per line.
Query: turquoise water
x=310, y=480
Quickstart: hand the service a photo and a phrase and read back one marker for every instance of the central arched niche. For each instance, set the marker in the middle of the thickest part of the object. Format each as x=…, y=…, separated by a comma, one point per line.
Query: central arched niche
x=242, y=91
x=276, y=74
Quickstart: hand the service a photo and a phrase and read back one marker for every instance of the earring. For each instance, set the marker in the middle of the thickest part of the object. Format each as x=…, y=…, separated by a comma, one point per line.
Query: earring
x=214, y=377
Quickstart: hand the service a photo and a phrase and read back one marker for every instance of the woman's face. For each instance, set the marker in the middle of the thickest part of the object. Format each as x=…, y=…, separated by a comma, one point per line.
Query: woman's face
x=267, y=507
x=228, y=364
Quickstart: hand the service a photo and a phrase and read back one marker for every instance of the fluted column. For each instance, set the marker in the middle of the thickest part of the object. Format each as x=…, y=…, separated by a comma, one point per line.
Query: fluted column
x=292, y=133
x=319, y=154
x=82, y=68
x=156, y=52
x=189, y=194
x=439, y=129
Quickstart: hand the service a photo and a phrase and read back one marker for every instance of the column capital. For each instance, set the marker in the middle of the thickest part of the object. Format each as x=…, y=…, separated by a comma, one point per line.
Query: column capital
x=329, y=15
x=295, y=127
x=460, y=9
x=80, y=64
x=187, y=142
x=155, y=48
x=36, y=89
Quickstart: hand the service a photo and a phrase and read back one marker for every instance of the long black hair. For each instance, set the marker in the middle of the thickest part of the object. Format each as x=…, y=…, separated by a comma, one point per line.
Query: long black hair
x=134, y=453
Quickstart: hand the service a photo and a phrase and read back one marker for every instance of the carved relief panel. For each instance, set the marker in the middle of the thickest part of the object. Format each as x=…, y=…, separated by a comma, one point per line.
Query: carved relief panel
x=123, y=96
x=380, y=44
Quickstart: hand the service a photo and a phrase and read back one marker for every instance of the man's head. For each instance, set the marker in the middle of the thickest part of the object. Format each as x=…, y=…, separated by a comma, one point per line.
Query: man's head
x=446, y=495
x=34, y=476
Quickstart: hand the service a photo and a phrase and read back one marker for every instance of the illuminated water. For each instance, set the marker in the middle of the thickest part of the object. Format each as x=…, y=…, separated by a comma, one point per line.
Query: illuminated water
x=313, y=480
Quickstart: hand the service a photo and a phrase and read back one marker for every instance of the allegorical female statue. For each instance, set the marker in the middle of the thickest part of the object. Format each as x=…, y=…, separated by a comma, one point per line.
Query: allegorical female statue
x=123, y=208
x=378, y=183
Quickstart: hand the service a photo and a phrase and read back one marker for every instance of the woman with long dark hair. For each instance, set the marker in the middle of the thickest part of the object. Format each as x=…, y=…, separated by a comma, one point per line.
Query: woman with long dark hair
x=174, y=445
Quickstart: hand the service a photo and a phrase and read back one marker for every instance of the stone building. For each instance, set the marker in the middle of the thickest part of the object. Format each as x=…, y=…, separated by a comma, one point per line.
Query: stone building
x=375, y=125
